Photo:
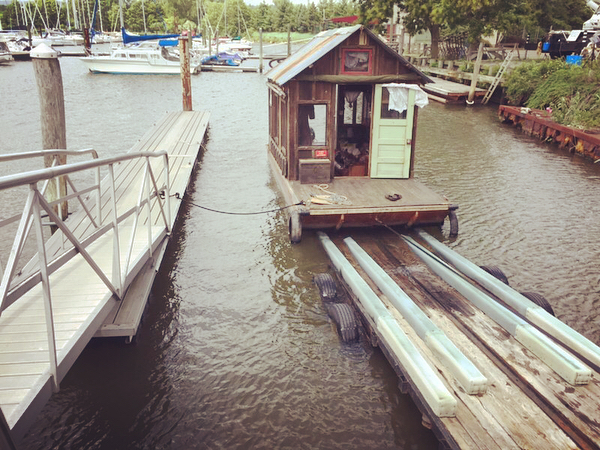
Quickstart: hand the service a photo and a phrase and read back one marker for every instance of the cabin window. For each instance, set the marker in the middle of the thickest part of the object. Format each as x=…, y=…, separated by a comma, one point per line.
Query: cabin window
x=386, y=112
x=274, y=113
x=312, y=125
x=357, y=61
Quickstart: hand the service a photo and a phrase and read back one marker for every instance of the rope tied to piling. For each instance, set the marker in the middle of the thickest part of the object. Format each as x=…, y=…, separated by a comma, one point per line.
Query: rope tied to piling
x=206, y=208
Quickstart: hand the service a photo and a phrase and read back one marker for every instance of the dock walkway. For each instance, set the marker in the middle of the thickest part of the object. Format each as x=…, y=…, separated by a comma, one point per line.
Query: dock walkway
x=527, y=404
x=91, y=277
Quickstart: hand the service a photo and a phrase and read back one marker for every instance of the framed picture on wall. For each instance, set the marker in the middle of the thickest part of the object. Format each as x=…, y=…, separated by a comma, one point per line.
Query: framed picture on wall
x=357, y=61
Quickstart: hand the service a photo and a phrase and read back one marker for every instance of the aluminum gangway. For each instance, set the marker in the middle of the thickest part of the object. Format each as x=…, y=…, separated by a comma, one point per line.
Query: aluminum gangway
x=59, y=289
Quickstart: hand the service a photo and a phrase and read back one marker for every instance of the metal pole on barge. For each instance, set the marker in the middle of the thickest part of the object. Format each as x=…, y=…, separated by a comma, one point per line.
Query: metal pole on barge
x=184, y=58
x=48, y=78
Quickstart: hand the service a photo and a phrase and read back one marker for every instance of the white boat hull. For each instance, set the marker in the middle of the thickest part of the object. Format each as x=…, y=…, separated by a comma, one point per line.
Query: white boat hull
x=108, y=65
x=139, y=59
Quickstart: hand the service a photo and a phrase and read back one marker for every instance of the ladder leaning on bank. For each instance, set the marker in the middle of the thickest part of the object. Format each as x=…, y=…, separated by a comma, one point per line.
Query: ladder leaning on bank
x=501, y=71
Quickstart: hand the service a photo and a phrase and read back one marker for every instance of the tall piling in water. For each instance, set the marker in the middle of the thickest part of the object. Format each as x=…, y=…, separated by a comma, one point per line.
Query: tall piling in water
x=186, y=80
x=48, y=78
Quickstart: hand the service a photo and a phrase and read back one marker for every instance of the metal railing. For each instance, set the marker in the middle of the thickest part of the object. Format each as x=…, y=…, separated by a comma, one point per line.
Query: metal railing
x=66, y=243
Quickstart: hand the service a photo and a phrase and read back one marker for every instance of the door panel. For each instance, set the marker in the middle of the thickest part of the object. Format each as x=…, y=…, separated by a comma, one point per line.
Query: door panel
x=392, y=134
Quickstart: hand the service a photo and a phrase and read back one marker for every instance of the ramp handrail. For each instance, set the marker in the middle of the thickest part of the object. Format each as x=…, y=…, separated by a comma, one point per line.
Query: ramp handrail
x=53, y=152
x=66, y=243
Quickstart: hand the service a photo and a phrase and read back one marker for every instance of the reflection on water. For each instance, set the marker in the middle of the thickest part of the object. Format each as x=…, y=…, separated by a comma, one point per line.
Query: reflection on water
x=235, y=349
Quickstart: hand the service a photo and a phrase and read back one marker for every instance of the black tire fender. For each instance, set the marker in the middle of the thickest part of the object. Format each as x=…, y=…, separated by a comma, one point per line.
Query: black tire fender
x=326, y=285
x=539, y=300
x=345, y=321
x=295, y=227
x=496, y=272
x=453, y=219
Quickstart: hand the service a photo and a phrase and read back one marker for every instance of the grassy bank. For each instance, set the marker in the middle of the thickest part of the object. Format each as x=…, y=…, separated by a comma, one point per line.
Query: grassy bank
x=571, y=92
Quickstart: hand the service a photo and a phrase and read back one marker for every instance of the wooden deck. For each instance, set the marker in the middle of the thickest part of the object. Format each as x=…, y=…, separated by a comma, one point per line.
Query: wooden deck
x=363, y=202
x=445, y=91
x=82, y=304
x=526, y=406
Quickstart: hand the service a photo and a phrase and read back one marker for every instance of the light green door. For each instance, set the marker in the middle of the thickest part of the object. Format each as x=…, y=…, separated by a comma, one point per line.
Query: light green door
x=392, y=137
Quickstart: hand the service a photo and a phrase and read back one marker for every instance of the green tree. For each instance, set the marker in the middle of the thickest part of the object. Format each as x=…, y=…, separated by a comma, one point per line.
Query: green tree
x=261, y=17
x=479, y=17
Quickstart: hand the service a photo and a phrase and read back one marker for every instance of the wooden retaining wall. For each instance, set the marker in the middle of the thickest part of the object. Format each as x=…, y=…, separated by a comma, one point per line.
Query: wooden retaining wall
x=540, y=124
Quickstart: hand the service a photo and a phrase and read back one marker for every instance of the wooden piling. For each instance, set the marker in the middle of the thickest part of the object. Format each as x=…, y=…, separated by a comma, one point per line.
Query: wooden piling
x=260, y=46
x=475, y=74
x=48, y=78
x=186, y=81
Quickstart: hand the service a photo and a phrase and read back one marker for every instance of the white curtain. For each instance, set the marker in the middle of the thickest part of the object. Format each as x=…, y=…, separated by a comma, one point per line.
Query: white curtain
x=399, y=96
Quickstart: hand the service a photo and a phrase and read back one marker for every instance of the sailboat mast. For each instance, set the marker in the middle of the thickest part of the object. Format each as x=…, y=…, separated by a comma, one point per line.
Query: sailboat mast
x=75, y=18
x=144, y=16
x=121, y=14
x=68, y=16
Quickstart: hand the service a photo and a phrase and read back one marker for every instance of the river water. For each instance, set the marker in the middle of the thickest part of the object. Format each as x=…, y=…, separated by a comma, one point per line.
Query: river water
x=235, y=348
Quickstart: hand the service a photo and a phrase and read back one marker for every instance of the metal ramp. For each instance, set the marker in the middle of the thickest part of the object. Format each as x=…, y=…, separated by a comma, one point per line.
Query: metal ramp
x=505, y=63
x=58, y=289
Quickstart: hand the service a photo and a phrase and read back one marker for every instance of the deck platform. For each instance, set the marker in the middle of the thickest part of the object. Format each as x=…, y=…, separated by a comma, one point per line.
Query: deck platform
x=445, y=91
x=526, y=405
x=182, y=138
x=82, y=304
x=364, y=202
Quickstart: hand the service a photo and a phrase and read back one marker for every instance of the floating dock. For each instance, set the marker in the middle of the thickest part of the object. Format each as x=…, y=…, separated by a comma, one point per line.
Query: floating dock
x=491, y=375
x=93, y=275
x=540, y=124
x=445, y=91
x=225, y=68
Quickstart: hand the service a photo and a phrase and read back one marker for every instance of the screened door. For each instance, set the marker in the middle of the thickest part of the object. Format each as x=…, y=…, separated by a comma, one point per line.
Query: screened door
x=392, y=137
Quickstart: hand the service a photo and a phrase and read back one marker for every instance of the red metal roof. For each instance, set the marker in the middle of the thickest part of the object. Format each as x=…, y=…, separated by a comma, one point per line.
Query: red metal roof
x=346, y=19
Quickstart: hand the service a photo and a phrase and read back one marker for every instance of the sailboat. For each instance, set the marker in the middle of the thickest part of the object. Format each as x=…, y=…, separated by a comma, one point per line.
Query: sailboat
x=139, y=55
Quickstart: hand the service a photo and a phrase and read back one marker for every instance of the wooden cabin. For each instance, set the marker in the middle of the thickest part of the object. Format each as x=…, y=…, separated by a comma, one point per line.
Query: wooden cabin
x=339, y=146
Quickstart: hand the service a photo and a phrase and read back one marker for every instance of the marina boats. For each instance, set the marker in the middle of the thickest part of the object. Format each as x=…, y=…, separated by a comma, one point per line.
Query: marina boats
x=235, y=45
x=5, y=54
x=223, y=59
x=342, y=127
x=58, y=38
x=140, y=58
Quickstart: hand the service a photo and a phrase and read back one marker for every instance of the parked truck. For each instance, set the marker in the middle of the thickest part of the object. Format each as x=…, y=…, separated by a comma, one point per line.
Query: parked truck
x=563, y=43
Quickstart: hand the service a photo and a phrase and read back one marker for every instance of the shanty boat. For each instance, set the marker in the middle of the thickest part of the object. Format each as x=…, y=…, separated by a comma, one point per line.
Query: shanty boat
x=342, y=128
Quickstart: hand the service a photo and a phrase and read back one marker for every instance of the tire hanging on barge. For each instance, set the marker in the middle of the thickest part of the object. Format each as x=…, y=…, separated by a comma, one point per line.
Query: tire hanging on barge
x=345, y=321
x=295, y=227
